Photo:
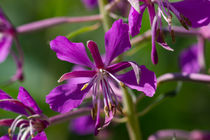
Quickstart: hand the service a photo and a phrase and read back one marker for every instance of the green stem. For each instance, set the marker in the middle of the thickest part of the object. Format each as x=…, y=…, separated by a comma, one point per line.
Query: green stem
x=106, y=19
x=132, y=118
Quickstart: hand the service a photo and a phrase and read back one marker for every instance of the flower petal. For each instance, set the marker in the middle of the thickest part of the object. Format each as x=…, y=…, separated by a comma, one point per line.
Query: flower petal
x=27, y=100
x=90, y=4
x=83, y=125
x=116, y=41
x=6, y=122
x=71, y=52
x=189, y=60
x=154, y=55
x=93, y=47
x=199, y=16
x=78, y=80
x=6, y=137
x=148, y=82
x=77, y=74
x=40, y=136
x=66, y=97
x=5, y=45
x=14, y=106
x=134, y=20
x=4, y=95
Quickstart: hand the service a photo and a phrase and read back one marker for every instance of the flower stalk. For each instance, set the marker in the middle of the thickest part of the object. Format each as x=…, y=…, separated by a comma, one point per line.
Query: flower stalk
x=46, y=23
x=193, y=77
x=132, y=119
x=69, y=115
x=106, y=19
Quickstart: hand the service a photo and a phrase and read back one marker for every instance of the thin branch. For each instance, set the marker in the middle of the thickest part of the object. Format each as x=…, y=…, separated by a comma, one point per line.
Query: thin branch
x=46, y=23
x=193, y=77
x=141, y=38
x=179, y=30
x=162, y=134
x=69, y=115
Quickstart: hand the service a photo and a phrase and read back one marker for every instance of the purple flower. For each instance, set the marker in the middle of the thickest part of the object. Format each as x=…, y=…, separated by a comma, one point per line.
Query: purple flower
x=90, y=4
x=66, y=97
x=199, y=135
x=180, y=134
x=83, y=125
x=30, y=121
x=189, y=60
x=182, y=10
x=205, y=32
x=7, y=34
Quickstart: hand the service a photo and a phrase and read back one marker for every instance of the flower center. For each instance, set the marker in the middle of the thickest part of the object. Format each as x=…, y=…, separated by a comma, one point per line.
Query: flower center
x=28, y=126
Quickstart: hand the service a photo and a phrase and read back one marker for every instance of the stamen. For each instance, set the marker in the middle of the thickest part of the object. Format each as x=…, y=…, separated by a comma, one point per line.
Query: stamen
x=13, y=126
x=84, y=86
x=172, y=35
x=113, y=77
x=94, y=111
x=106, y=110
x=25, y=134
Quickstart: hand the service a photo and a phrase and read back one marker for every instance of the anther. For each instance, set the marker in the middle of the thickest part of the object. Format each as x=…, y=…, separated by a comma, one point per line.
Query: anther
x=119, y=108
x=172, y=35
x=94, y=112
x=106, y=110
x=122, y=84
x=84, y=86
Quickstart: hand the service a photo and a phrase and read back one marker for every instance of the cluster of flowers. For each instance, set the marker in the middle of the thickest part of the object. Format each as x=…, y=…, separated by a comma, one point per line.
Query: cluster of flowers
x=102, y=79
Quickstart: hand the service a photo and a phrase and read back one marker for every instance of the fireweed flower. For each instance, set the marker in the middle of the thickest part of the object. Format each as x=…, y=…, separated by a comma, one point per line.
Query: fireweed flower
x=90, y=4
x=180, y=134
x=30, y=122
x=182, y=10
x=189, y=60
x=66, y=97
x=85, y=125
x=7, y=34
x=192, y=59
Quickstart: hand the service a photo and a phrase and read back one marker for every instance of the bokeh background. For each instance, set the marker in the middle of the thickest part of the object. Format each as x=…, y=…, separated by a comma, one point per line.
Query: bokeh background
x=188, y=110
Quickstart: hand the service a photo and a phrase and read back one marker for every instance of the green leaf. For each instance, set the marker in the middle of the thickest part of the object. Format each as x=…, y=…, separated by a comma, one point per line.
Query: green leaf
x=82, y=30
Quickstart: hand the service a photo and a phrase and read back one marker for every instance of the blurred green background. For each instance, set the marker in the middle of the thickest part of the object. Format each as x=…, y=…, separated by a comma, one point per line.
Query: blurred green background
x=189, y=110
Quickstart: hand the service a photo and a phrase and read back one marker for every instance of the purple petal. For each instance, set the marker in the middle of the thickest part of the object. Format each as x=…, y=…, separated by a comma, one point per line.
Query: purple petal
x=116, y=40
x=97, y=122
x=77, y=74
x=66, y=97
x=5, y=45
x=83, y=125
x=118, y=67
x=4, y=95
x=6, y=122
x=189, y=60
x=154, y=55
x=6, y=137
x=134, y=20
x=71, y=52
x=92, y=46
x=78, y=80
x=40, y=136
x=199, y=16
x=27, y=100
x=14, y=106
x=90, y=4
x=108, y=120
x=199, y=135
x=148, y=82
